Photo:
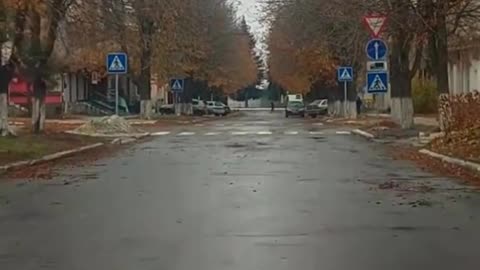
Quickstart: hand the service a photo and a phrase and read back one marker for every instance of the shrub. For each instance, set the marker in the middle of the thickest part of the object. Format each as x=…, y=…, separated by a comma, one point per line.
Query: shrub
x=460, y=112
x=424, y=95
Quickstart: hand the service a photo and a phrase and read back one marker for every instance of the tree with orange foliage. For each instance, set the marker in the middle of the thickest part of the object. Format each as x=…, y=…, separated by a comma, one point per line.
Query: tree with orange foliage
x=305, y=52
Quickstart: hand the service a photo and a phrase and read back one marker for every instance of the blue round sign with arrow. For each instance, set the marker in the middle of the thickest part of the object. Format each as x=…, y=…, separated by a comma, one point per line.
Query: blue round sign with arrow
x=376, y=49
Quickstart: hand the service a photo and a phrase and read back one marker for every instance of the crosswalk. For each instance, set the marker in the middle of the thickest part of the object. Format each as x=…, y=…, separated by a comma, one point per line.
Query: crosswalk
x=250, y=133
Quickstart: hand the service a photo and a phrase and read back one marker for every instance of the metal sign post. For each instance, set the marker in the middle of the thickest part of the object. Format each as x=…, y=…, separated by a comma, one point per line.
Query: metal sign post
x=177, y=86
x=116, y=94
x=345, y=98
x=345, y=75
x=117, y=63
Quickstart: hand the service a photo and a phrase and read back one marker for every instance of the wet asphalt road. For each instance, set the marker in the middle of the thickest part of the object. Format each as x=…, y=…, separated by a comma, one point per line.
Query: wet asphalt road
x=254, y=192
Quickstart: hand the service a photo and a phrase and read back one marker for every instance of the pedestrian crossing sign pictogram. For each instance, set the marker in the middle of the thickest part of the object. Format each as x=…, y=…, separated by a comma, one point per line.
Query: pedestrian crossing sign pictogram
x=345, y=74
x=117, y=63
x=377, y=82
x=177, y=85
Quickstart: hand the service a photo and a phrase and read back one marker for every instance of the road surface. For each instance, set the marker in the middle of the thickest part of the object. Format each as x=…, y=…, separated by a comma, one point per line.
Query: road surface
x=256, y=192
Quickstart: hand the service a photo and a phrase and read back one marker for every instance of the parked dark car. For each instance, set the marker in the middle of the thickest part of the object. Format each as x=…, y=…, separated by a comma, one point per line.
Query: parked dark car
x=295, y=108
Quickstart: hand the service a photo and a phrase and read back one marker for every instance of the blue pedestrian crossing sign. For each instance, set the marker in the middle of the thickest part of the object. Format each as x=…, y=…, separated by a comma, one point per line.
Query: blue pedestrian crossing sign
x=376, y=49
x=377, y=82
x=177, y=85
x=345, y=74
x=117, y=63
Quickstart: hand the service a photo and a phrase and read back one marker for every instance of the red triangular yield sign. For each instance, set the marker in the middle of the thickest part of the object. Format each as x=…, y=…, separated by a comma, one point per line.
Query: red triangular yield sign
x=375, y=24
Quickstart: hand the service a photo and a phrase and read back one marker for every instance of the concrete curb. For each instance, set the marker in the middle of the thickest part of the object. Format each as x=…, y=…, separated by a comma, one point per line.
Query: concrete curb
x=123, y=140
x=456, y=161
x=142, y=122
x=49, y=157
x=362, y=133
x=118, y=135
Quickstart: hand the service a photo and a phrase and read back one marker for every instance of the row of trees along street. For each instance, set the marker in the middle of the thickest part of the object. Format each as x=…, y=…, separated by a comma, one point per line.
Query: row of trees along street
x=309, y=39
x=202, y=40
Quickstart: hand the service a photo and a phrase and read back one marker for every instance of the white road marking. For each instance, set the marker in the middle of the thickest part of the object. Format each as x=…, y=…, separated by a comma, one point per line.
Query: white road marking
x=291, y=132
x=186, y=134
x=264, y=133
x=199, y=125
x=343, y=132
x=316, y=133
x=161, y=133
x=236, y=133
x=212, y=133
x=318, y=124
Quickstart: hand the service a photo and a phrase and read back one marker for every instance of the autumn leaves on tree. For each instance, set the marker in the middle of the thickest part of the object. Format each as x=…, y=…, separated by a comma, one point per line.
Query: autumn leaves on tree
x=200, y=39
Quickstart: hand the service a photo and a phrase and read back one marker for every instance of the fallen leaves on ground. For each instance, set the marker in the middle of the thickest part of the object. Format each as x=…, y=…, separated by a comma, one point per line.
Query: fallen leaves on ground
x=434, y=165
x=464, y=145
x=49, y=170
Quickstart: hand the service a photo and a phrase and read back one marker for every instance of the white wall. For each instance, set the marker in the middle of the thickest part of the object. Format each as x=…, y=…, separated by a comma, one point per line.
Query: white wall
x=252, y=103
x=464, y=76
x=475, y=75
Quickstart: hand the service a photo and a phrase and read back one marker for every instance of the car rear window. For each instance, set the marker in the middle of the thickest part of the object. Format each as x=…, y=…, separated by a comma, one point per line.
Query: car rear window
x=295, y=103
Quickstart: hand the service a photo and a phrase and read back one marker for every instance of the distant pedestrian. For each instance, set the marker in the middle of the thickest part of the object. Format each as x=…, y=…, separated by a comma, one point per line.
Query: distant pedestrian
x=273, y=106
x=359, y=104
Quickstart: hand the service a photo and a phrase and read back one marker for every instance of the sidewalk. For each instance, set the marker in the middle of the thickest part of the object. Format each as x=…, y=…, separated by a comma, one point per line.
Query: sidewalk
x=426, y=120
x=418, y=120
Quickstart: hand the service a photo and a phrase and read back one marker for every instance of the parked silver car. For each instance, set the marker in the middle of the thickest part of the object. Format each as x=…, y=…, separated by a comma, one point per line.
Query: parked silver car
x=318, y=107
x=216, y=108
x=199, y=107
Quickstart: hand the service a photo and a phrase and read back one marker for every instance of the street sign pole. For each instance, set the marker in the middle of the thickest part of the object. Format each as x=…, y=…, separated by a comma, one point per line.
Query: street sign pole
x=345, y=75
x=116, y=94
x=345, y=99
x=117, y=63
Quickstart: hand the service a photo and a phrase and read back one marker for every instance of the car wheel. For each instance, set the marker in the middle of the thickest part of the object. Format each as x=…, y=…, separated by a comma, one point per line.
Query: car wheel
x=313, y=116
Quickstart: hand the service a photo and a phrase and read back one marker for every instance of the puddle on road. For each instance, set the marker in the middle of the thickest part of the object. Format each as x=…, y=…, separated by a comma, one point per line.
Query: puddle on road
x=262, y=143
x=235, y=145
x=403, y=228
x=309, y=180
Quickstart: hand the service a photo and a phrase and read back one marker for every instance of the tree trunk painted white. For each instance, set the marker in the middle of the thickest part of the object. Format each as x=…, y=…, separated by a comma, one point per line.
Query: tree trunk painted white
x=183, y=109
x=4, y=129
x=178, y=109
x=331, y=107
x=337, y=108
x=187, y=109
x=402, y=111
x=43, y=114
x=351, y=110
x=146, y=109
x=38, y=115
